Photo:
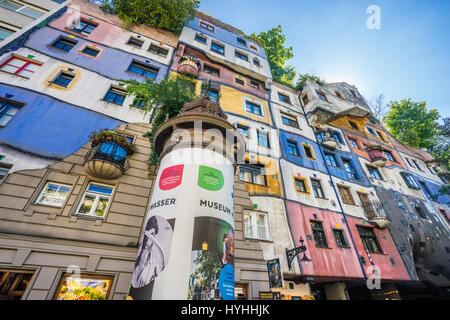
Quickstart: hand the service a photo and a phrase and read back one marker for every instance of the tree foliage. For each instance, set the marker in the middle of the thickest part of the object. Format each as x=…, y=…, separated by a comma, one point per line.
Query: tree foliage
x=411, y=123
x=305, y=77
x=165, y=14
x=165, y=99
x=273, y=41
x=441, y=148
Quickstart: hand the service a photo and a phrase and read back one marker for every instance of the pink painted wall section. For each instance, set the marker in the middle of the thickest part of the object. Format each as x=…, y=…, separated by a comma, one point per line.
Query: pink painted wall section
x=333, y=261
x=226, y=75
x=383, y=261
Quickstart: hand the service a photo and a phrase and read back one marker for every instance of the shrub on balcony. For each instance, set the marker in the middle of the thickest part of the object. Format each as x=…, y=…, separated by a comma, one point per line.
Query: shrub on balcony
x=109, y=136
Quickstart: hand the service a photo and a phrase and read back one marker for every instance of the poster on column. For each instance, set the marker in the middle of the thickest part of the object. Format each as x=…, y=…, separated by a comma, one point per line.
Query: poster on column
x=193, y=247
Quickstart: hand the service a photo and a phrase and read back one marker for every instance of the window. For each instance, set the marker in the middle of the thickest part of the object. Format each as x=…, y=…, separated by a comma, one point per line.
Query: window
x=21, y=8
x=239, y=81
x=305, y=100
x=256, y=226
x=206, y=26
x=409, y=162
x=340, y=238
x=374, y=173
x=371, y=131
x=330, y=160
x=4, y=170
x=213, y=93
x=143, y=70
x=293, y=148
x=138, y=103
x=85, y=287
x=337, y=137
x=160, y=51
x=20, y=66
x=431, y=170
x=350, y=169
x=84, y=27
x=317, y=189
x=289, y=121
x=321, y=96
x=253, y=174
x=253, y=108
x=369, y=240
x=200, y=38
x=346, y=195
x=64, y=44
x=425, y=188
x=353, y=143
x=116, y=95
x=95, y=200
x=263, y=139
x=340, y=95
x=284, y=98
x=63, y=79
x=54, y=194
x=5, y=33
x=389, y=155
x=218, y=48
x=91, y=51
x=309, y=152
x=212, y=71
x=254, y=84
x=300, y=185
x=14, y=283
x=7, y=111
x=319, y=234
x=381, y=135
x=353, y=125
x=410, y=182
x=256, y=62
x=416, y=164
x=243, y=130
x=242, y=41
x=135, y=42
x=253, y=47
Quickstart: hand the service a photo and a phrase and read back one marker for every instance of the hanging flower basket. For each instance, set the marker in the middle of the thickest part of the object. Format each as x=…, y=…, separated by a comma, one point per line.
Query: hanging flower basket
x=189, y=65
x=110, y=136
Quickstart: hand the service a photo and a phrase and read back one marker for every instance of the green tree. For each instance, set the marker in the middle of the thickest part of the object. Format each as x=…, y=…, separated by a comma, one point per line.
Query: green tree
x=411, y=123
x=165, y=99
x=273, y=41
x=165, y=14
x=441, y=148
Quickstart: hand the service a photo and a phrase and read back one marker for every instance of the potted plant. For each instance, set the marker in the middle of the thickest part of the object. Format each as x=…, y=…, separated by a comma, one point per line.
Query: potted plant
x=110, y=136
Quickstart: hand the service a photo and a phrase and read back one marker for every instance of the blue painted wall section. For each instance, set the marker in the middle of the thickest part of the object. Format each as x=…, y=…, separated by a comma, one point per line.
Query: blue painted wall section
x=49, y=127
x=431, y=188
x=111, y=63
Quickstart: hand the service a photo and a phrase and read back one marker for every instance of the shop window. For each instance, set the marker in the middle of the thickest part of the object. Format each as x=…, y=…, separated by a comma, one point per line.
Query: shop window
x=13, y=283
x=84, y=287
x=53, y=194
x=95, y=200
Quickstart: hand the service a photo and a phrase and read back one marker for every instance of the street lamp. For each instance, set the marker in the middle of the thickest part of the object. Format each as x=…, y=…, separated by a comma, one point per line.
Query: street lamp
x=291, y=254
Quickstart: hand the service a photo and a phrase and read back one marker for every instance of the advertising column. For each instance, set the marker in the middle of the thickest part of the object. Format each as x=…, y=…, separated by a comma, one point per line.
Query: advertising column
x=187, y=250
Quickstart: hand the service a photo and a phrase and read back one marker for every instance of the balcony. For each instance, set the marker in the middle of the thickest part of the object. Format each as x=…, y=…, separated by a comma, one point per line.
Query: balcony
x=376, y=155
x=327, y=138
x=106, y=161
x=375, y=213
x=189, y=65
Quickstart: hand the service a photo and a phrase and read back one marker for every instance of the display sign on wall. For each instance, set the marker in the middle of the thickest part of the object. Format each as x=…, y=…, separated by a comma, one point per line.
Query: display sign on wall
x=275, y=275
x=188, y=241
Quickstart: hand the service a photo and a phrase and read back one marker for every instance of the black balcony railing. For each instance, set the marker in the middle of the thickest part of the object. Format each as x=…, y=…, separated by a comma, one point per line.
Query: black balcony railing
x=374, y=210
x=109, y=152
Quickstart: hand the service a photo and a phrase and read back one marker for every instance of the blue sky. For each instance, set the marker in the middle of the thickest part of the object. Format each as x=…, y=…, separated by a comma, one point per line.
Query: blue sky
x=408, y=58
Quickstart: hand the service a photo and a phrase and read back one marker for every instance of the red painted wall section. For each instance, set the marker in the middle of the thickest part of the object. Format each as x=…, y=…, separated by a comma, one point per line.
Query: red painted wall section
x=327, y=262
x=383, y=260
x=226, y=75
x=362, y=153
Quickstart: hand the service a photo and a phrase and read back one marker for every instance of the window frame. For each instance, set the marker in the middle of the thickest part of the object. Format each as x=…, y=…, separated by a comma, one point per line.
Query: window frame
x=254, y=225
x=291, y=120
x=66, y=275
x=409, y=179
x=374, y=169
x=158, y=50
x=116, y=88
x=262, y=134
x=342, y=237
x=207, y=26
x=6, y=102
x=313, y=187
x=354, y=125
x=38, y=198
x=66, y=41
x=292, y=145
x=62, y=74
x=145, y=68
x=353, y=175
x=214, y=49
x=346, y=196
x=311, y=150
x=317, y=227
x=255, y=171
x=96, y=200
x=321, y=94
x=336, y=163
x=253, y=105
x=207, y=69
x=88, y=24
x=27, y=61
x=284, y=98
x=200, y=36
x=372, y=236
x=354, y=144
x=240, y=55
x=304, y=187
x=129, y=42
x=92, y=48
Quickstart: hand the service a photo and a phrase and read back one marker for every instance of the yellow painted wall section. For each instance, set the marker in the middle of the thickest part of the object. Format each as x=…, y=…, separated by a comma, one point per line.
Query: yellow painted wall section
x=273, y=177
x=343, y=123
